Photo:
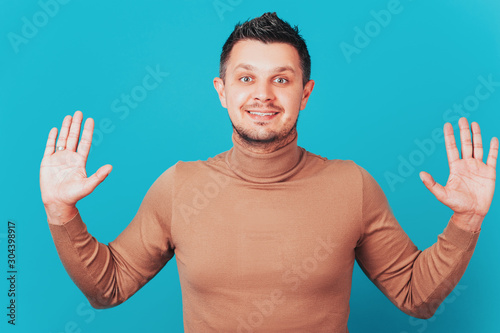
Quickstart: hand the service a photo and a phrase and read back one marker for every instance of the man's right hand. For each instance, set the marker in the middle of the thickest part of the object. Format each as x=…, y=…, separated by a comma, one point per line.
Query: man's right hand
x=63, y=179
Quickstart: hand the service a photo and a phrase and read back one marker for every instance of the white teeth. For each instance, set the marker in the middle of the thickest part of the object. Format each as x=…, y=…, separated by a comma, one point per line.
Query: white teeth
x=262, y=113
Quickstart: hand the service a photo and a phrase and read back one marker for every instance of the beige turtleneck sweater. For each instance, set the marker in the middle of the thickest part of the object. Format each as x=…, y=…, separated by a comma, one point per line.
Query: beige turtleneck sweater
x=266, y=243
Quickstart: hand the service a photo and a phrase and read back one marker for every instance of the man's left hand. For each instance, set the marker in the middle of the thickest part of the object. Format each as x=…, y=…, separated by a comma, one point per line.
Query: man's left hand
x=470, y=186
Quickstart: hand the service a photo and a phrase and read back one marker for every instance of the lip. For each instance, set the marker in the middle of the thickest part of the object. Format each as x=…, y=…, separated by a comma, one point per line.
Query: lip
x=263, y=111
x=262, y=118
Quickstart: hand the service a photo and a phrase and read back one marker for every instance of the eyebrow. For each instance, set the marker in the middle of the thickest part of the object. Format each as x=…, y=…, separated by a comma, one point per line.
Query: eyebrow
x=274, y=70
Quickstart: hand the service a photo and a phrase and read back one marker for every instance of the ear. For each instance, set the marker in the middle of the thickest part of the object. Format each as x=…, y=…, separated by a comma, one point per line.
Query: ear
x=308, y=88
x=219, y=86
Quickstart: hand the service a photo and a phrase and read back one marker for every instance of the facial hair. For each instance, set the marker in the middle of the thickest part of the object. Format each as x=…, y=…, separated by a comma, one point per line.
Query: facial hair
x=271, y=143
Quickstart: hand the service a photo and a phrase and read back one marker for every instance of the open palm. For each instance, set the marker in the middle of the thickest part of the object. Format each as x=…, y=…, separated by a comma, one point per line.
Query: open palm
x=470, y=186
x=63, y=179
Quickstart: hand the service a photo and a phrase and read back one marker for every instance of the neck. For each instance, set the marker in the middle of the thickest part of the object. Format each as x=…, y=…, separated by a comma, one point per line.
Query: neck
x=264, y=147
x=257, y=167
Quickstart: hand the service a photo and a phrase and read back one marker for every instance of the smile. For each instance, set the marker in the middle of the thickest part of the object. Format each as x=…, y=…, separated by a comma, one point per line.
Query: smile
x=263, y=113
x=261, y=116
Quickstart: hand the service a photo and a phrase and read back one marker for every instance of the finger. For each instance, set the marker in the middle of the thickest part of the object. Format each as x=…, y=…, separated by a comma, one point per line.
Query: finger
x=74, y=132
x=51, y=142
x=97, y=178
x=63, y=134
x=477, y=141
x=465, y=138
x=435, y=188
x=451, y=146
x=492, y=156
x=86, y=141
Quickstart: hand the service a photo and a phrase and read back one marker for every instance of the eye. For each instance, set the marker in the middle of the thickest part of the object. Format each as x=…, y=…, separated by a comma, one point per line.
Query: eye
x=245, y=79
x=280, y=80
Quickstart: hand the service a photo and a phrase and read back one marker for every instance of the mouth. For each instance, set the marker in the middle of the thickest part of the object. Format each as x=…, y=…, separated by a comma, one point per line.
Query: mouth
x=262, y=115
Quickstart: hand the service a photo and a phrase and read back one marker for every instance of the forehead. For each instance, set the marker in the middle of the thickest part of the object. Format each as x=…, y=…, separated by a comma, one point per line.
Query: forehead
x=262, y=56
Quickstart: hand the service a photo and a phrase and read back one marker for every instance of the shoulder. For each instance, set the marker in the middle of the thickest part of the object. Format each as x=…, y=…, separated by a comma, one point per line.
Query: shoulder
x=186, y=172
x=335, y=167
x=345, y=173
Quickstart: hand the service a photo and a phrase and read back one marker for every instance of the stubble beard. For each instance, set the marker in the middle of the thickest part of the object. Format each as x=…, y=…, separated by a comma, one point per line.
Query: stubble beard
x=267, y=142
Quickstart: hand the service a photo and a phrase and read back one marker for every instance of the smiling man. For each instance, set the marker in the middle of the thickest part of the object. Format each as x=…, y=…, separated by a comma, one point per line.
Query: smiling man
x=266, y=234
x=263, y=87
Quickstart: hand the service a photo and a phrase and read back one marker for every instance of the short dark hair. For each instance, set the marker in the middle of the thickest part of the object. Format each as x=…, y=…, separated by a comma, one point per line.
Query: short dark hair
x=268, y=28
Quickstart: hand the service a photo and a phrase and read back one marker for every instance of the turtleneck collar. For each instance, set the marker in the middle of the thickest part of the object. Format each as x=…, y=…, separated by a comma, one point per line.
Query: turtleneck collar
x=266, y=167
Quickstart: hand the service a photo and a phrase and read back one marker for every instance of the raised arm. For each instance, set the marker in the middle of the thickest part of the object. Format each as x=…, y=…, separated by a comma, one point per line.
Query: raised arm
x=106, y=274
x=415, y=281
x=418, y=281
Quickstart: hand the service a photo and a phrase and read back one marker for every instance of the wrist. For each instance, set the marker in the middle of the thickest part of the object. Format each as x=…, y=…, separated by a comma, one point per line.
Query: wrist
x=60, y=214
x=468, y=222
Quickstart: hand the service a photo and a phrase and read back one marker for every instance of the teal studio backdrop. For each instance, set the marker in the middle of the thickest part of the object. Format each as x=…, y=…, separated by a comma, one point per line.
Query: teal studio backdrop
x=385, y=85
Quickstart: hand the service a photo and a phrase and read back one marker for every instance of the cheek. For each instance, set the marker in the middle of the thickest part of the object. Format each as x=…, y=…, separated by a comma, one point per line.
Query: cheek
x=291, y=100
x=236, y=98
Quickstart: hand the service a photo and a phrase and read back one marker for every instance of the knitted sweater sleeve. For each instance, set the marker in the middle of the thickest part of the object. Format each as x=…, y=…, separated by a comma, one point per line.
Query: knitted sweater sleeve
x=415, y=281
x=110, y=274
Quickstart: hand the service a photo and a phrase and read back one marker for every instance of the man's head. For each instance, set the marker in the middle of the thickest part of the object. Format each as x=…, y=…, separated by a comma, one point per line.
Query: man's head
x=268, y=28
x=262, y=84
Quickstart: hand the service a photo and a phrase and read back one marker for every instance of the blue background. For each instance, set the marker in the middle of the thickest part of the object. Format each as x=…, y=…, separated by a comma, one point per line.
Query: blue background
x=369, y=107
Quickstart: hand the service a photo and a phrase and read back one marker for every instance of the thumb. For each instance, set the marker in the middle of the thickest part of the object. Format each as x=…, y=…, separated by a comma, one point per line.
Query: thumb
x=97, y=178
x=435, y=188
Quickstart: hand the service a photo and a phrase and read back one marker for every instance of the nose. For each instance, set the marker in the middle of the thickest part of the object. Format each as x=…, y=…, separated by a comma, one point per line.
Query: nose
x=263, y=91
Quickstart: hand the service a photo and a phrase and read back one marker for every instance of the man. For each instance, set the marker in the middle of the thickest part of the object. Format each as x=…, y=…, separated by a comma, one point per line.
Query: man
x=266, y=234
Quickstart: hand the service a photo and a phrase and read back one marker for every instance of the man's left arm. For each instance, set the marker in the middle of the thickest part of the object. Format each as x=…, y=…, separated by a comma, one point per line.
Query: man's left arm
x=418, y=281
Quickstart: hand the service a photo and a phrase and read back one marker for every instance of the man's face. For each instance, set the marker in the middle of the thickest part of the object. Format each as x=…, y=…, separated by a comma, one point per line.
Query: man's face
x=263, y=91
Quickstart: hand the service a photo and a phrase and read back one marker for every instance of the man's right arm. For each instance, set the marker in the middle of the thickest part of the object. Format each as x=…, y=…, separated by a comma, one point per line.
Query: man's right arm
x=110, y=274
x=106, y=274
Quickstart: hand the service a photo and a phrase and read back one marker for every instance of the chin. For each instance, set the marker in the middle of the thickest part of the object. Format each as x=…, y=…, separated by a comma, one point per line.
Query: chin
x=261, y=134
x=259, y=137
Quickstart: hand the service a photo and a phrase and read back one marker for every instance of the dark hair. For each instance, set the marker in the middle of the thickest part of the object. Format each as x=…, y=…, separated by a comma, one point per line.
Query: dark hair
x=268, y=28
